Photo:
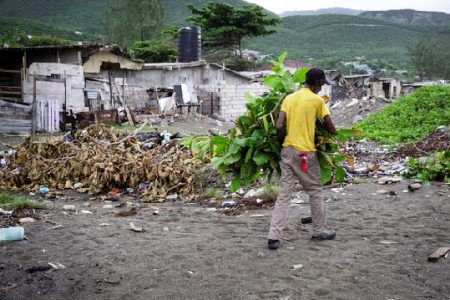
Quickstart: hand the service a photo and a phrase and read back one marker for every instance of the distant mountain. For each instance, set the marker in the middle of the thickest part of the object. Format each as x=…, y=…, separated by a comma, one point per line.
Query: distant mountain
x=410, y=16
x=322, y=11
x=345, y=37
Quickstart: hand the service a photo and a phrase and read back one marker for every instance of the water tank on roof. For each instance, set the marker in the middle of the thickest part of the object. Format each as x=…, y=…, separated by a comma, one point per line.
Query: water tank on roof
x=189, y=44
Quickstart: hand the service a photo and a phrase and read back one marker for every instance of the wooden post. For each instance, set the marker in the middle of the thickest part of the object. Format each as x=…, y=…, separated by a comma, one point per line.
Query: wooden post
x=110, y=90
x=33, y=108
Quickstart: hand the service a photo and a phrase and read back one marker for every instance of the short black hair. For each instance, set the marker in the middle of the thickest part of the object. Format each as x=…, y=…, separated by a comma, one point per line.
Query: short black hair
x=316, y=76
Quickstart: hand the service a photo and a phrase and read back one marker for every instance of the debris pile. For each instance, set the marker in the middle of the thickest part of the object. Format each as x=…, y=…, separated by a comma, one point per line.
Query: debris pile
x=436, y=141
x=98, y=159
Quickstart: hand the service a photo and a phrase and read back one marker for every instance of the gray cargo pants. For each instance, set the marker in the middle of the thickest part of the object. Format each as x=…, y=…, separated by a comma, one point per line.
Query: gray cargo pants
x=311, y=182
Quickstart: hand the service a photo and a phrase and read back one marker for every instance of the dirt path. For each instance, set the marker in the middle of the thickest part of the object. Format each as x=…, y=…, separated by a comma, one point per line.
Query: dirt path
x=188, y=252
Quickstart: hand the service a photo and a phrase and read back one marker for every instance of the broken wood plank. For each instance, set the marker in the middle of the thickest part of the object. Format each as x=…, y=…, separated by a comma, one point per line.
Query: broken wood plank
x=439, y=253
x=10, y=92
x=10, y=71
x=129, y=116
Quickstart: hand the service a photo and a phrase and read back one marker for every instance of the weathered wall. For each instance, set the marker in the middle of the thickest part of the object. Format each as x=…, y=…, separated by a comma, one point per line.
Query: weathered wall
x=228, y=101
x=93, y=65
x=48, y=90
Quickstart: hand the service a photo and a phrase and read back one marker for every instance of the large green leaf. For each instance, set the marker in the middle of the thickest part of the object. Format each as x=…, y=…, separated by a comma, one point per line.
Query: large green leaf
x=229, y=160
x=340, y=174
x=261, y=158
x=300, y=75
x=326, y=174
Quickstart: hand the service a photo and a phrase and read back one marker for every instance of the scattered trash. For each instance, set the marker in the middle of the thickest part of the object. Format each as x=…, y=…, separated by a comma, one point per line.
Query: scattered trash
x=259, y=201
x=258, y=216
x=5, y=212
x=382, y=192
x=230, y=203
x=26, y=220
x=387, y=242
x=104, y=224
x=12, y=234
x=297, y=267
x=57, y=266
x=254, y=193
x=108, y=206
x=166, y=229
x=414, y=187
x=69, y=207
x=393, y=193
x=83, y=211
x=173, y=197
x=77, y=185
x=388, y=180
x=114, y=192
x=260, y=254
x=136, y=229
x=156, y=212
x=442, y=252
x=44, y=190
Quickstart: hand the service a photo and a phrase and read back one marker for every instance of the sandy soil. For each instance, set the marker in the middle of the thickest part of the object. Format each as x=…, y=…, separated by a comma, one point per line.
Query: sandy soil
x=187, y=252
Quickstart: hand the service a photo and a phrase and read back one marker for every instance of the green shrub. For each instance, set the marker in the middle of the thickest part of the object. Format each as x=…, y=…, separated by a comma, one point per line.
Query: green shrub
x=411, y=118
x=154, y=51
x=434, y=167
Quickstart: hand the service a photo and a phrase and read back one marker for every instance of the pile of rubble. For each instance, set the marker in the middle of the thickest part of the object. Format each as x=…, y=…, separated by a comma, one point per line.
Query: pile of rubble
x=98, y=159
x=436, y=141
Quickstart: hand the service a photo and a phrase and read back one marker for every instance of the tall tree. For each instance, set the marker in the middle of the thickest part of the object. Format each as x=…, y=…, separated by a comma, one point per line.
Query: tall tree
x=225, y=27
x=127, y=21
x=425, y=56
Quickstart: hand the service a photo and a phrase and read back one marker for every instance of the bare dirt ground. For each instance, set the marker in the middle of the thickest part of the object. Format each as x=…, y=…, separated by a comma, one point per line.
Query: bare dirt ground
x=187, y=252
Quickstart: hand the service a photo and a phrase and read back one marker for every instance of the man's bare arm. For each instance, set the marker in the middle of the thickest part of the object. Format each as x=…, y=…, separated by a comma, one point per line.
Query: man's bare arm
x=329, y=124
x=280, y=123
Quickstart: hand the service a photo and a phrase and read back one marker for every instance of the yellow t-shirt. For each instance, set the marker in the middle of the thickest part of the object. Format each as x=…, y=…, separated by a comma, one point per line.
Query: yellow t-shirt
x=302, y=108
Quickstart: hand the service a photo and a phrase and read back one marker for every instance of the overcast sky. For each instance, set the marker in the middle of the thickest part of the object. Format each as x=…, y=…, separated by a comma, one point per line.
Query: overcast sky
x=279, y=6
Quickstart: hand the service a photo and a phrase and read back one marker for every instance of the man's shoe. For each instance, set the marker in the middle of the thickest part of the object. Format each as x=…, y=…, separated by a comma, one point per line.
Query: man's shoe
x=273, y=244
x=327, y=234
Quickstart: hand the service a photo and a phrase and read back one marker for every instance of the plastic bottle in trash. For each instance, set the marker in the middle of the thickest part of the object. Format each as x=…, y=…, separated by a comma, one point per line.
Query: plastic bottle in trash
x=11, y=234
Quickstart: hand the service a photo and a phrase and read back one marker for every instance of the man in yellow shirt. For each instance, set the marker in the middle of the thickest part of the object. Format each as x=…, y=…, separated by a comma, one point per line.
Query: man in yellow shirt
x=298, y=157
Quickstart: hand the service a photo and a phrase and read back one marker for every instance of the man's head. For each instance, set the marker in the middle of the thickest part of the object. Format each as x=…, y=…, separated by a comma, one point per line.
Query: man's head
x=315, y=78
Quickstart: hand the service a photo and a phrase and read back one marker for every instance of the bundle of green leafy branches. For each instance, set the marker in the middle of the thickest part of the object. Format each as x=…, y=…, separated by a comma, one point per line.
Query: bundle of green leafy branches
x=251, y=150
x=411, y=118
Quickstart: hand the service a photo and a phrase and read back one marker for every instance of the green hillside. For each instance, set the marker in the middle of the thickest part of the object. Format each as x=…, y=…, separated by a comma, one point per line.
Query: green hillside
x=86, y=15
x=345, y=37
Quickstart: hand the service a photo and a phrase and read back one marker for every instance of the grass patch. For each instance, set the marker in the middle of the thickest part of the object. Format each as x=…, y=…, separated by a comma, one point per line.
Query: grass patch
x=212, y=193
x=409, y=119
x=271, y=190
x=9, y=202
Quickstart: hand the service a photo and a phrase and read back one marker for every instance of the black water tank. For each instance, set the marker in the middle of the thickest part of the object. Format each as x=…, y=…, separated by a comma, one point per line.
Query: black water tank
x=189, y=44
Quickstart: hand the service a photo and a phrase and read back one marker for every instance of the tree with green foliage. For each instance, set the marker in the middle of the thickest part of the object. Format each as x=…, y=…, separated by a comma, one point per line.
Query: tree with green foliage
x=154, y=51
x=224, y=27
x=127, y=21
x=424, y=56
